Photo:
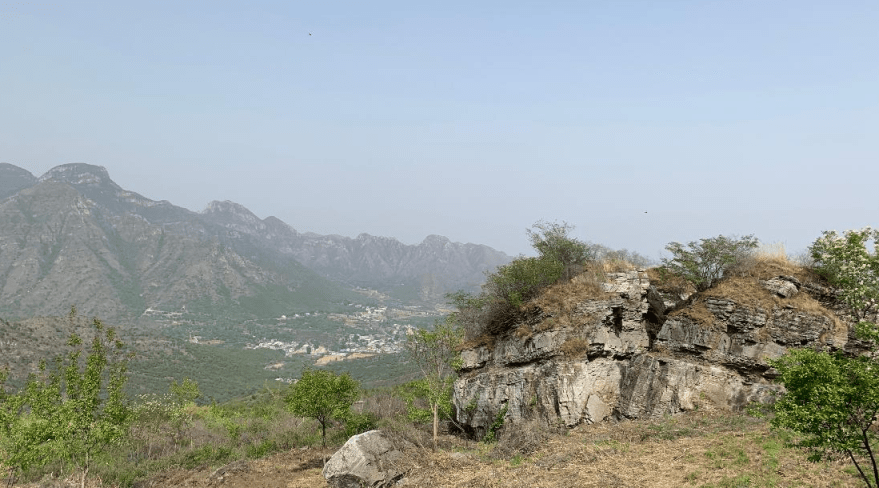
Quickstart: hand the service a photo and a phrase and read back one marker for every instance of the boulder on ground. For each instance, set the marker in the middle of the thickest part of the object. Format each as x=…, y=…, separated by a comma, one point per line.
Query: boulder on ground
x=367, y=459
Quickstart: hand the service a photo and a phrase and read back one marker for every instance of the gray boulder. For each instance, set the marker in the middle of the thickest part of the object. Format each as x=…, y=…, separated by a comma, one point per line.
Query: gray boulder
x=783, y=286
x=366, y=460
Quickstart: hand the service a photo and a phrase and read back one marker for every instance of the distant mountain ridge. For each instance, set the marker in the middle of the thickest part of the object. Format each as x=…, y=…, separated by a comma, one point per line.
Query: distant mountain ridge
x=13, y=179
x=73, y=236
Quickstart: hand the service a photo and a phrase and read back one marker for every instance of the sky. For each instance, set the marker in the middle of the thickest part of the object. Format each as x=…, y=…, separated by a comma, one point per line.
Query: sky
x=638, y=122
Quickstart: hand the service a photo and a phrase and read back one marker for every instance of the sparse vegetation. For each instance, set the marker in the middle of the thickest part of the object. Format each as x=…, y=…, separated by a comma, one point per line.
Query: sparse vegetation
x=700, y=448
x=564, y=264
x=436, y=353
x=706, y=261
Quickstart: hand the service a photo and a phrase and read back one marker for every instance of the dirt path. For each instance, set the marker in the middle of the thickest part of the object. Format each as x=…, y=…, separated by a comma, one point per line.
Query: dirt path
x=292, y=469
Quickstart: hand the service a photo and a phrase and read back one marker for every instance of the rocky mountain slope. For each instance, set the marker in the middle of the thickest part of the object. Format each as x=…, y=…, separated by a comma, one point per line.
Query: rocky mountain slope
x=13, y=179
x=74, y=236
x=428, y=270
x=633, y=350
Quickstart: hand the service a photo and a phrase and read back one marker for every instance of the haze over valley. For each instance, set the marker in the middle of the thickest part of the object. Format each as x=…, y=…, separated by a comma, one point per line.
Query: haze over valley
x=195, y=287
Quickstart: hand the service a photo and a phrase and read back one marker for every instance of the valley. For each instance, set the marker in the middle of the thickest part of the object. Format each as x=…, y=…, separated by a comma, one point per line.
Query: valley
x=200, y=295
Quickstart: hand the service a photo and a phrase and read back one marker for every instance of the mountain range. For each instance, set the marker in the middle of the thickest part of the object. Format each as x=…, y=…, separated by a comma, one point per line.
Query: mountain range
x=75, y=237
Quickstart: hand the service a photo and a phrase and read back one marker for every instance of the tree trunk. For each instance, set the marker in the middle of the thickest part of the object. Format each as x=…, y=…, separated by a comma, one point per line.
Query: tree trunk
x=435, y=408
x=85, y=470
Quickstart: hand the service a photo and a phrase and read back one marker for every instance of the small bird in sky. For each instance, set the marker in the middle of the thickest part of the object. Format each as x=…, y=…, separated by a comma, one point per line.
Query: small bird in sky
x=309, y=33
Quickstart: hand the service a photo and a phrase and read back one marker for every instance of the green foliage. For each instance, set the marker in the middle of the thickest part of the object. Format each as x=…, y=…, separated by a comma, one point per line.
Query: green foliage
x=359, y=422
x=522, y=279
x=186, y=393
x=832, y=400
x=323, y=396
x=436, y=353
x=705, y=261
x=415, y=394
x=71, y=410
x=511, y=286
x=496, y=426
x=551, y=241
x=847, y=264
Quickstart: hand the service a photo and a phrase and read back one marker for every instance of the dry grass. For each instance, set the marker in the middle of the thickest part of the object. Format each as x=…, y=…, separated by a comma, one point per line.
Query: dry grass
x=667, y=282
x=697, y=312
x=743, y=287
x=575, y=347
x=698, y=449
x=564, y=297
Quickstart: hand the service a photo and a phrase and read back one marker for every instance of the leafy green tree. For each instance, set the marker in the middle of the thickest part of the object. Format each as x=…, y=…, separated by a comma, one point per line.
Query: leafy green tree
x=323, y=396
x=553, y=242
x=435, y=352
x=833, y=399
x=183, y=397
x=848, y=265
x=185, y=393
x=72, y=410
x=705, y=261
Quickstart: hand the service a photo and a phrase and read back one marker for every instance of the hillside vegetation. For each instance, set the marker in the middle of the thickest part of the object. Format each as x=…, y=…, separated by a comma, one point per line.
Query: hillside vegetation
x=184, y=439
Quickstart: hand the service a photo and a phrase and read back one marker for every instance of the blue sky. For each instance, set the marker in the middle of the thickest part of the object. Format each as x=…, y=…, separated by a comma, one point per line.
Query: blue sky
x=406, y=119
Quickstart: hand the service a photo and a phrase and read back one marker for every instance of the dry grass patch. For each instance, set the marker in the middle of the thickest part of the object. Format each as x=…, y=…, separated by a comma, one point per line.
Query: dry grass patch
x=670, y=283
x=743, y=287
x=697, y=312
x=575, y=346
x=691, y=450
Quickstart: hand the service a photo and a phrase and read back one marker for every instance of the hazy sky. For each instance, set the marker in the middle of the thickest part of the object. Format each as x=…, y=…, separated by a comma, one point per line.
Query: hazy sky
x=467, y=119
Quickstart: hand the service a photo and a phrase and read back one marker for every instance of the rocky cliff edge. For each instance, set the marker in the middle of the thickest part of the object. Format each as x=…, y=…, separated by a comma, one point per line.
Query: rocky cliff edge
x=630, y=346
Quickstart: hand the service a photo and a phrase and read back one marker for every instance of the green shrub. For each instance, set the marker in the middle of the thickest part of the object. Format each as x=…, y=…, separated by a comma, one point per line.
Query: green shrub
x=551, y=241
x=511, y=286
x=705, y=261
x=358, y=423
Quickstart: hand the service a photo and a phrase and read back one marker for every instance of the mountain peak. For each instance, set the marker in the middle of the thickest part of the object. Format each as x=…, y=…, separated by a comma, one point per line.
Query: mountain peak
x=13, y=179
x=222, y=206
x=232, y=215
x=80, y=174
x=435, y=240
x=7, y=169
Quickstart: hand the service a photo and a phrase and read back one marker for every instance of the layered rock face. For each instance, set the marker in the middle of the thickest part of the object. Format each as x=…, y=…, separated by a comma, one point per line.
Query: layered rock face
x=621, y=356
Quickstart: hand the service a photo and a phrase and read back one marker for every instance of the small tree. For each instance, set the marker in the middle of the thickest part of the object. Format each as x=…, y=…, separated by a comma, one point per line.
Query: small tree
x=323, y=396
x=553, y=242
x=833, y=399
x=511, y=286
x=705, y=261
x=436, y=354
x=183, y=397
x=71, y=410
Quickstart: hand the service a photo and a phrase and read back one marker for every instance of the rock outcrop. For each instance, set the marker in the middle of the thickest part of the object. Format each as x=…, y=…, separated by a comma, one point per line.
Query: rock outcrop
x=367, y=459
x=635, y=352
